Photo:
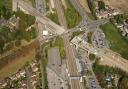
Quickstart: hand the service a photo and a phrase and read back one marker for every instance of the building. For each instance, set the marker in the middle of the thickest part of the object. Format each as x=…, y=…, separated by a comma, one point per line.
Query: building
x=109, y=12
x=12, y=23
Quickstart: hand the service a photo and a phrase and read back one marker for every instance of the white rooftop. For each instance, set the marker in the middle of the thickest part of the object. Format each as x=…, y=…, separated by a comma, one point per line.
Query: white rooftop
x=45, y=32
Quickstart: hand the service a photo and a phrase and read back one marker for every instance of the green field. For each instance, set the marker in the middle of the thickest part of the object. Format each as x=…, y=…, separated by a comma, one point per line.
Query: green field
x=5, y=9
x=27, y=19
x=91, y=16
x=59, y=42
x=116, y=41
x=72, y=16
x=53, y=17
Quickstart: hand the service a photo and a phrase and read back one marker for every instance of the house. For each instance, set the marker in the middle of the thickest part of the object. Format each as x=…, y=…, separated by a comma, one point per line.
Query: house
x=3, y=22
x=34, y=66
x=108, y=12
x=119, y=25
x=13, y=22
x=3, y=84
x=22, y=72
x=13, y=77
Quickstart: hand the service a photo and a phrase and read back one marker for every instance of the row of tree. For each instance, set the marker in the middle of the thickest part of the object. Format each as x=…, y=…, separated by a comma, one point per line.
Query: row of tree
x=14, y=38
x=120, y=18
x=101, y=5
x=5, y=13
x=91, y=6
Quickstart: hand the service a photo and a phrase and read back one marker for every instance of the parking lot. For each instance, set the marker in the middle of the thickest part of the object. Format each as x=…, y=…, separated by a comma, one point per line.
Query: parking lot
x=92, y=83
x=56, y=70
x=98, y=40
x=54, y=59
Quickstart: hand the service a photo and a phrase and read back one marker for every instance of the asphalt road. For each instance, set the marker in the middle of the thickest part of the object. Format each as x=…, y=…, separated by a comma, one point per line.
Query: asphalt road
x=28, y=75
x=108, y=58
x=40, y=18
x=40, y=6
x=86, y=23
x=47, y=22
x=70, y=56
x=69, y=52
x=60, y=13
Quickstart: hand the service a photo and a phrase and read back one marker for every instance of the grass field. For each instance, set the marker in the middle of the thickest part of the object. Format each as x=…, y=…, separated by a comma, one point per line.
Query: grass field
x=91, y=16
x=53, y=17
x=117, y=42
x=72, y=16
x=59, y=42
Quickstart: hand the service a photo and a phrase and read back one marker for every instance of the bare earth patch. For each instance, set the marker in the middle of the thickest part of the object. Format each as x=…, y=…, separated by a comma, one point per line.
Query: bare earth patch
x=17, y=60
x=13, y=66
x=114, y=60
x=120, y=4
x=84, y=4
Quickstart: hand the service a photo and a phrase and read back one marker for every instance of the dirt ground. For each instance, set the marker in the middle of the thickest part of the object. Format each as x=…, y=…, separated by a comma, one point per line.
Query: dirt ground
x=84, y=5
x=120, y=4
x=113, y=59
x=15, y=65
x=17, y=60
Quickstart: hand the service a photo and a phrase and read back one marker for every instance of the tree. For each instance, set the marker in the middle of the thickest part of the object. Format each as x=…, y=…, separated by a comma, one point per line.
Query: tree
x=15, y=83
x=6, y=34
x=92, y=57
x=6, y=13
x=10, y=46
x=119, y=18
x=18, y=42
x=2, y=43
x=101, y=5
x=123, y=82
x=33, y=33
x=92, y=7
